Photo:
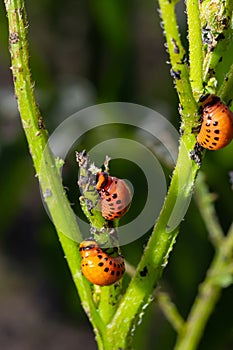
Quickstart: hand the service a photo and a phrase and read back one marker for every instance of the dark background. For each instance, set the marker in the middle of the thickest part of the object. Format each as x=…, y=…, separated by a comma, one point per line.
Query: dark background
x=83, y=53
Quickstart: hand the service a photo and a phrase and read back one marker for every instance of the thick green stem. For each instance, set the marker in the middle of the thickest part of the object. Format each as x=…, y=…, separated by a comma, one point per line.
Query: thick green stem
x=195, y=47
x=179, y=68
x=47, y=169
x=155, y=257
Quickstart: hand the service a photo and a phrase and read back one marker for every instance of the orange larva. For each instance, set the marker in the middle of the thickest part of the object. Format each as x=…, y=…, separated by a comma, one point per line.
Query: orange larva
x=217, y=125
x=114, y=195
x=99, y=267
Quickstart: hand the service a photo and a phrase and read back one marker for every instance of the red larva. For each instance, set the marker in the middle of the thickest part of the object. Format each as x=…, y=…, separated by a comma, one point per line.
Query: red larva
x=217, y=125
x=115, y=196
x=99, y=267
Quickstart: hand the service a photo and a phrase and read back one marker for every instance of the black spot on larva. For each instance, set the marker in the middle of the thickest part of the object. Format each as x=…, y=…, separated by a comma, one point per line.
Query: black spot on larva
x=110, y=262
x=106, y=193
x=118, y=273
x=216, y=138
x=114, y=195
x=144, y=272
x=207, y=123
x=115, y=265
x=118, y=201
x=208, y=130
x=217, y=131
x=215, y=123
x=119, y=212
x=120, y=207
x=214, y=143
x=100, y=256
x=106, y=269
x=108, y=199
x=101, y=264
x=112, y=272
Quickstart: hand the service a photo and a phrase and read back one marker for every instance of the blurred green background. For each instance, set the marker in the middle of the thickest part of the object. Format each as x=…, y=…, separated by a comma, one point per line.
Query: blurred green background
x=83, y=53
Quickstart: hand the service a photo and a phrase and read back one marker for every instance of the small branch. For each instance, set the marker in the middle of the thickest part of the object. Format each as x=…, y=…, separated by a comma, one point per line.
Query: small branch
x=99, y=227
x=170, y=311
x=226, y=88
x=205, y=201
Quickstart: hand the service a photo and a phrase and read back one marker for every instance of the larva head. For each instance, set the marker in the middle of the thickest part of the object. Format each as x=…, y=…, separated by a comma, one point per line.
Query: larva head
x=103, y=181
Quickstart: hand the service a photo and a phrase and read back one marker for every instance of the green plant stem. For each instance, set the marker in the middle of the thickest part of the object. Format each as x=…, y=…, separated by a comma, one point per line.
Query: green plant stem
x=218, y=276
x=201, y=310
x=195, y=47
x=209, y=293
x=179, y=69
x=226, y=88
x=108, y=297
x=47, y=169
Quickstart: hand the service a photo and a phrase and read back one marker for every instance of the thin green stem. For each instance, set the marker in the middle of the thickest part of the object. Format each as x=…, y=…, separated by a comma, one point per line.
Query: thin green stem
x=108, y=297
x=170, y=311
x=202, y=308
x=205, y=201
x=218, y=276
x=195, y=47
x=226, y=88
